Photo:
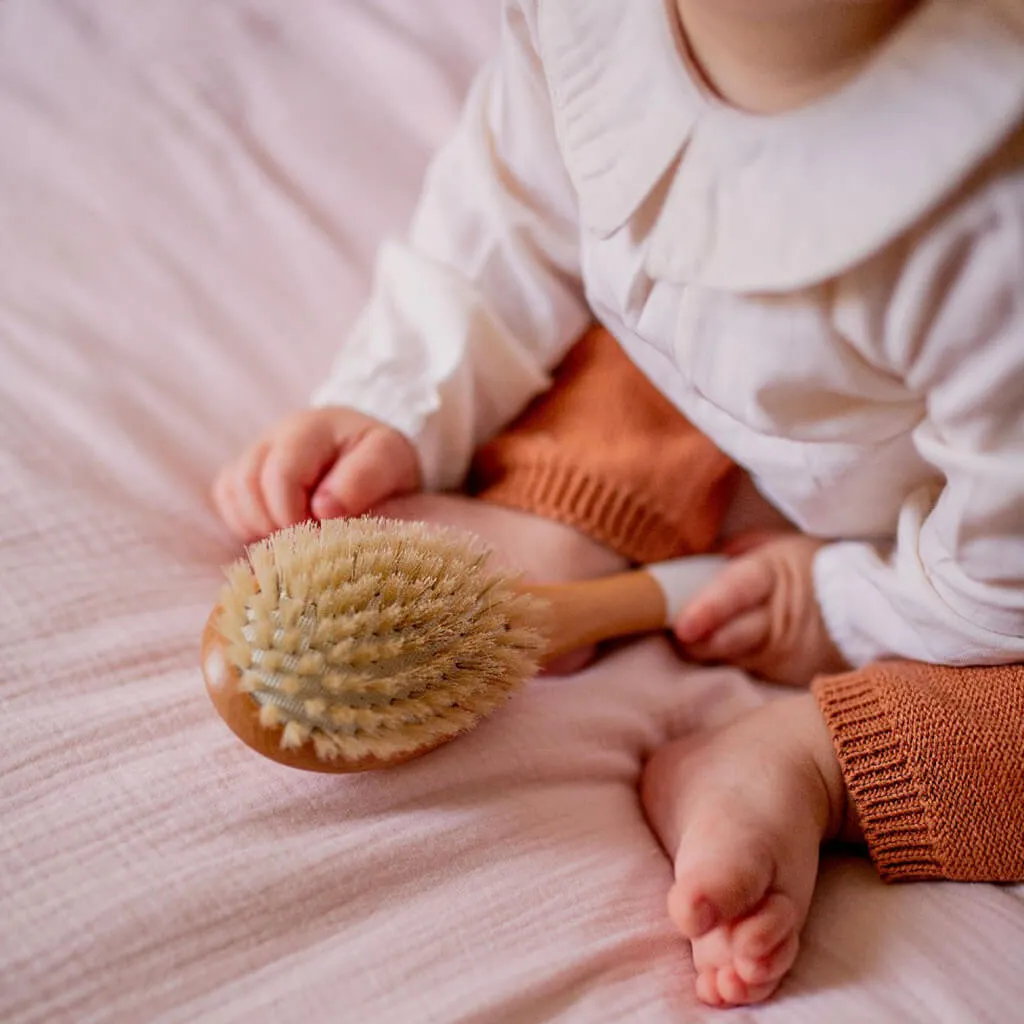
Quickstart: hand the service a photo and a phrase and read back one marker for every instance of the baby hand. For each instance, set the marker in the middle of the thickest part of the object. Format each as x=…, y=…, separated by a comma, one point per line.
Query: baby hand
x=318, y=463
x=761, y=614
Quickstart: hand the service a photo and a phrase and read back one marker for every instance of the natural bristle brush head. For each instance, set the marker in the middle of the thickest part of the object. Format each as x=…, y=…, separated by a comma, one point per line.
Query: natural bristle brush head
x=362, y=643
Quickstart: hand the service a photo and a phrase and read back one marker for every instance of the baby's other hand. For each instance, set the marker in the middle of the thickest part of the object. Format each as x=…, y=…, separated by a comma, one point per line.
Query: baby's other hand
x=318, y=463
x=761, y=613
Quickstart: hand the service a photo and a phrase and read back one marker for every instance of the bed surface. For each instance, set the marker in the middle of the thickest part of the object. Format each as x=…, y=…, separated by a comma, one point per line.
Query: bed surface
x=190, y=198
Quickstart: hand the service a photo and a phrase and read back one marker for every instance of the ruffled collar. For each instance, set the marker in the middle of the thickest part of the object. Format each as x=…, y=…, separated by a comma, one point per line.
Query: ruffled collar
x=774, y=203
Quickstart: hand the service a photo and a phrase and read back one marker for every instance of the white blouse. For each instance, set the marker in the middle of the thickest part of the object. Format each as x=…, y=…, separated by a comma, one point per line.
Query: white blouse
x=834, y=295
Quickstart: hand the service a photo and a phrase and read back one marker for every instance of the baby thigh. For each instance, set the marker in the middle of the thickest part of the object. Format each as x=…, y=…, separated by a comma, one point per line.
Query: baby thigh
x=543, y=549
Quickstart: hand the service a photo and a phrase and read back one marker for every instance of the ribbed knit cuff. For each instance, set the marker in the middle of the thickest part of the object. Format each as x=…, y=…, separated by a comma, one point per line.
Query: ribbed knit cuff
x=622, y=519
x=879, y=780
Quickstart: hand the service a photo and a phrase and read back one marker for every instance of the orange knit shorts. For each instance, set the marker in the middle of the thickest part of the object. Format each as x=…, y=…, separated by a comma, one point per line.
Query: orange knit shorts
x=605, y=452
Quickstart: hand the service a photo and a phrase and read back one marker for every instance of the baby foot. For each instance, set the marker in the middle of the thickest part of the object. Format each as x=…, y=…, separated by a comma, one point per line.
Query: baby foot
x=743, y=813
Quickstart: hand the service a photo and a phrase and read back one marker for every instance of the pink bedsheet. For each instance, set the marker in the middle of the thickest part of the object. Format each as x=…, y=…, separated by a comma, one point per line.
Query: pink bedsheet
x=190, y=198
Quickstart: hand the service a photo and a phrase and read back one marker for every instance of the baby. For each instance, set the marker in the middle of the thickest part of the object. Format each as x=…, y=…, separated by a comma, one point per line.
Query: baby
x=804, y=221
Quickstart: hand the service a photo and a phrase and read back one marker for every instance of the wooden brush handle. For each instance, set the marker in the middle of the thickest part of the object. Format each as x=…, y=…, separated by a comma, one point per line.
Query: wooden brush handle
x=643, y=601
x=580, y=614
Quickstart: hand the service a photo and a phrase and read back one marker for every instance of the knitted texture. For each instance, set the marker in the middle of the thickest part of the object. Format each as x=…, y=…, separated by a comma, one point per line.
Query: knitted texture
x=932, y=758
x=605, y=452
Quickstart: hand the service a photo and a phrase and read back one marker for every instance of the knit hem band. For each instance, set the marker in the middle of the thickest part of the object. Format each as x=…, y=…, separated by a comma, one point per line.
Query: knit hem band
x=878, y=777
x=624, y=521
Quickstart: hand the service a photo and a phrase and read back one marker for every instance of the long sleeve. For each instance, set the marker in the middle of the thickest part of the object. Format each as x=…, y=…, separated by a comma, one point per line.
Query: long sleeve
x=950, y=590
x=472, y=311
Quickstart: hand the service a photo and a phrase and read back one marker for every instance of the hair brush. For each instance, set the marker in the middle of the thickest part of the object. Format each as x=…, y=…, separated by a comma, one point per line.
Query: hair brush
x=362, y=643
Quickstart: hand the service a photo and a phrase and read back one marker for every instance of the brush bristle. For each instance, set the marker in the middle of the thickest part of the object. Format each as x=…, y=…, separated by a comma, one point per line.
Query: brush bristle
x=373, y=637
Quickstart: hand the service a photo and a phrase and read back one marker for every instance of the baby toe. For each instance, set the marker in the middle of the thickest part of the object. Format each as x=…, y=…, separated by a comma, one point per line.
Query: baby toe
x=772, y=967
x=727, y=988
x=731, y=987
x=760, y=934
x=706, y=987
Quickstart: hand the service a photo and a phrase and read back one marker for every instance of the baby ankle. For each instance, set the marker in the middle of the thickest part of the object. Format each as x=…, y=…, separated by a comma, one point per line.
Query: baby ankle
x=814, y=732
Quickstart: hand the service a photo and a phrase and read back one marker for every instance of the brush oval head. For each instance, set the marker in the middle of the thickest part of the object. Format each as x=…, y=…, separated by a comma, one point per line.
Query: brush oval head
x=362, y=643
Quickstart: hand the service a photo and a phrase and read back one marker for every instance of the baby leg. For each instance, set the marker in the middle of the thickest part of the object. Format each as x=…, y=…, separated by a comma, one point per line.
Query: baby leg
x=742, y=813
x=920, y=763
x=544, y=550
